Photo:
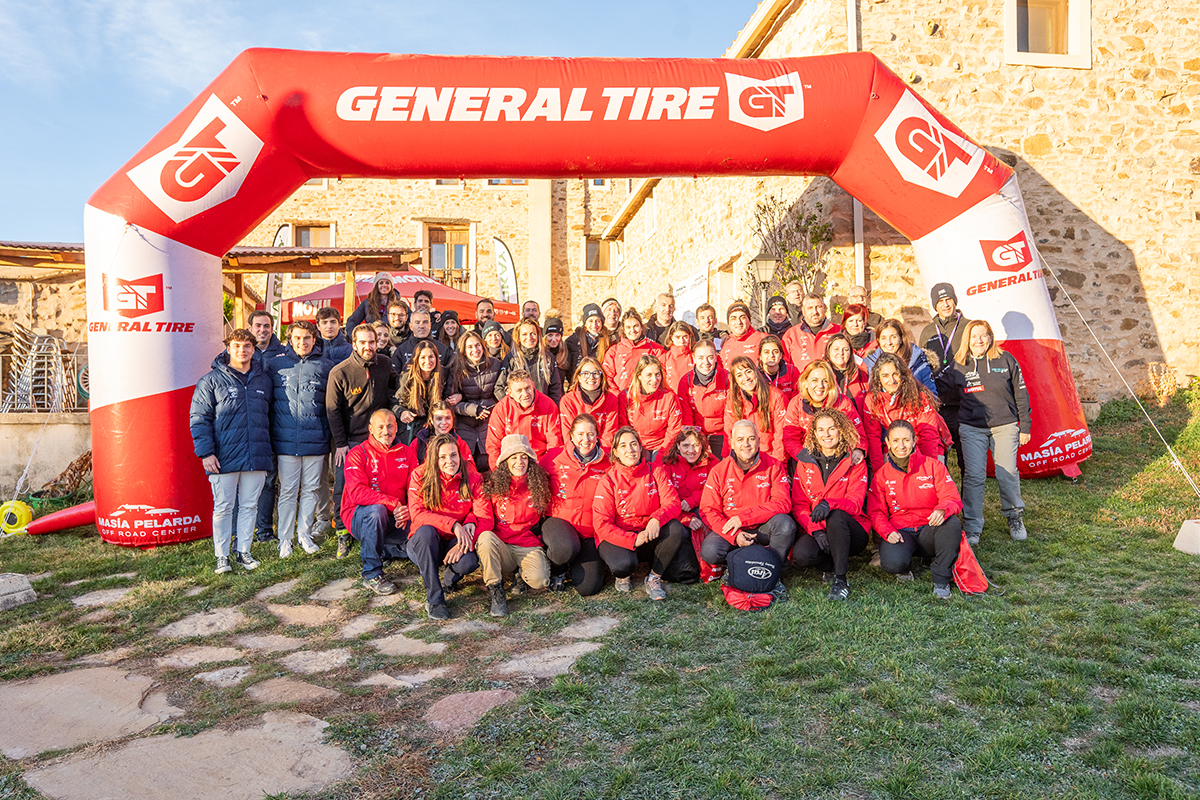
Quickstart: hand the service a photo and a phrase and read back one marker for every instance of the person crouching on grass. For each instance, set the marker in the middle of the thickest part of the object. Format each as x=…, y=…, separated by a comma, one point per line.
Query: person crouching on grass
x=447, y=507
x=637, y=516
x=519, y=491
x=914, y=507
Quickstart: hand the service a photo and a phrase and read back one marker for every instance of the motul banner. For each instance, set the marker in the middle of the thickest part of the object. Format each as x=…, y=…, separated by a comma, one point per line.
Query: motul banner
x=274, y=119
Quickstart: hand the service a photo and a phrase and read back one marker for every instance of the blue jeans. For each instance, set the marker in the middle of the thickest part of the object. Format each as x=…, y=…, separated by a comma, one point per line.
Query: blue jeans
x=427, y=549
x=370, y=525
x=976, y=442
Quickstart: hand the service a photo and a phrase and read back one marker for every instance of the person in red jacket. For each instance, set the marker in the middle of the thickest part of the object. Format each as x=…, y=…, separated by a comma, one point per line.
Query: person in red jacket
x=703, y=393
x=448, y=509
x=688, y=461
x=852, y=379
x=914, y=508
x=746, y=501
x=442, y=419
x=896, y=394
x=622, y=357
x=751, y=397
x=742, y=339
x=519, y=491
x=778, y=372
x=374, y=498
x=829, y=491
x=654, y=410
x=637, y=516
x=569, y=532
x=818, y=390
x=805, y=343
x=526, y=411
x=677, y=361
x=592, y=396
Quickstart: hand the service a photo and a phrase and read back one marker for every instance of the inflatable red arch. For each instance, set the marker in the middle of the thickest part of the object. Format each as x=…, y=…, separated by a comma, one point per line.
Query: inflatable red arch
x=155, y=232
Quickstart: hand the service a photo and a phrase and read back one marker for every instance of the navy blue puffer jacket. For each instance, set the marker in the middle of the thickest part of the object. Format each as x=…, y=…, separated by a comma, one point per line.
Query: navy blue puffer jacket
x=299, y=425
x=230, y=416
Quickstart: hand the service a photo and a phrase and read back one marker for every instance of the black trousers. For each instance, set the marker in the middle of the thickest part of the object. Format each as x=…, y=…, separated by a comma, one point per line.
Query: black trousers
x=939, y=543
x=568, y=551
x=659, y=552
x=844, y=537
x=778, y=533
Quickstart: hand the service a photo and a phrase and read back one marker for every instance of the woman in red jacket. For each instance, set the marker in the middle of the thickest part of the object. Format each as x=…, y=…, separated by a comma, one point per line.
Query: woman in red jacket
x=591, y=395
x=637, y=516
x=653, y=409
x=703, y=393
x=677, y=361
x=828, y=494
x=778, y=372
x=688, y=461
x=914, y=508
x=569, y=532
x=818, y=391
x=447, y=508
x=621, y=358
x=896, y=394
x=519, y=492
x=852, y=379
x=752, y=398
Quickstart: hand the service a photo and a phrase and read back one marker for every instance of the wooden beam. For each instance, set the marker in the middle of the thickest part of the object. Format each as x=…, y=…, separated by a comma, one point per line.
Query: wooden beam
x=350, y=301
x=239, y=301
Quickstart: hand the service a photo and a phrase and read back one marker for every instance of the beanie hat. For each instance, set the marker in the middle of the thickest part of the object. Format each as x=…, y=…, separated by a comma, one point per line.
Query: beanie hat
x=591, y=310
x=940, y=292
x=490, y=326
x=737, y=305
x=553, y=325
x=383, y=276
x=776, y=300
x=610, y=300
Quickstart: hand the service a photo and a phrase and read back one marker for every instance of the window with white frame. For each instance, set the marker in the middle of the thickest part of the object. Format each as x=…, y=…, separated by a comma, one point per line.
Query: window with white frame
x=507, y=182
x=1048, y=33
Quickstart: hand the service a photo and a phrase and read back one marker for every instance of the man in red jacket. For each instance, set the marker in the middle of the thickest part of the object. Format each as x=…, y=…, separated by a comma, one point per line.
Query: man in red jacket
x=373, y=500
x=742, y=340
x=805, y=343
x=525, y=411
x=746, y=501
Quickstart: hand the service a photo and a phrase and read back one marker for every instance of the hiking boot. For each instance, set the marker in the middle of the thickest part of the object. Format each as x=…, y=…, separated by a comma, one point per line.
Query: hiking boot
x=941, y=591
x=343, y=545
x=309, y=546
x=247, y=561
x=499, y=603
x=1016, y=528
x=450, y=579
x=624, y=585
x=654, y=587
x=840, y=590
x=438, y=612
x=905, y=576
x=285, y=548
x=379, y=585
x=973, y=539
x=780, y=592
x=519, y=586
x=558, y=583
x=223, y=565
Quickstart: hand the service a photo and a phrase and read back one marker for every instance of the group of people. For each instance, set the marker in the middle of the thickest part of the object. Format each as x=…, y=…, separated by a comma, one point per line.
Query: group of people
x=550, y=459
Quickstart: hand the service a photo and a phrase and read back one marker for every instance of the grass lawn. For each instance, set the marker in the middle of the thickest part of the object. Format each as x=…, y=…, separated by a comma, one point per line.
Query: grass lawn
x=1081, y=680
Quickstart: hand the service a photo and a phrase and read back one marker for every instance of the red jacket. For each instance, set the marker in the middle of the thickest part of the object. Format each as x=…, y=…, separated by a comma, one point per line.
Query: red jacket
x=755, y=495
x=609, y=411
x=657, y=418
x=539, y=422
x=744, y=345
x=627, y=498
x=802, y=348
x=787, y=380
x=514, y=517
x=906, y=499
x=768, y=441
x=622, y=357
x=689, y=481
x=677, y=362
x=376, y=476
x=800, y=413
x=846, y=490
x=704, y=406
x=454, y=508
x=879, y=411
x=857, y=385
x=574, y=487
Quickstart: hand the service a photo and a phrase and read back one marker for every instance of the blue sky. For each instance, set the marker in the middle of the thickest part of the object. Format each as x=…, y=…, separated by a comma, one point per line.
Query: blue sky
x=85, y=83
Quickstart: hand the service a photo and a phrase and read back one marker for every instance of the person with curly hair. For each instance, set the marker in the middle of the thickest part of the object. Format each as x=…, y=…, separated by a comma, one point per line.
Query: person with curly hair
x=752, y=397
x=829, y=491
x=519, y=491
x=653, y=409
x=591, y=395
x=818, y=391
x=894, y=338
x=894, y=394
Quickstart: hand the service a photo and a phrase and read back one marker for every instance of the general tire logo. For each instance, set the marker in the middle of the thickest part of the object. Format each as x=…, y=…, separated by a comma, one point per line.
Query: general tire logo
x=926, y=153
x=765, y=105
x=204, y=167
x=133, y=298
x=1013, y=255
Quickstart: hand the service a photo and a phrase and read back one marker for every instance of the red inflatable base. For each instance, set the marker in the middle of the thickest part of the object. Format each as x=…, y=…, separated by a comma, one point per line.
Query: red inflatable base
x=73, y=517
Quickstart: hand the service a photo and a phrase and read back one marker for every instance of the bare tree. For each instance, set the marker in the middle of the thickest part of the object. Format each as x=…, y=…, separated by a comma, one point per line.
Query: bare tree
x=798, y=241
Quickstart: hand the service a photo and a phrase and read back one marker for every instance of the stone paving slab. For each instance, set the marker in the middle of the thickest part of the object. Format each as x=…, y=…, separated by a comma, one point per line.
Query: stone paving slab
x=364, y=623
x=289, y=690
x=194, y=591
x=82, y=581
x=309, y=616
x=271, y=642
x=460, y=626
x=100, y=597
x=589, y=628
x=308, y=662
x=224, y=678
x=205, y=623
x=405, y=681
x=457, y=713
x=400, y=645
x=549, y=662
x=99, y=615
x=277, y=590
x=284, y=754
x=15, y=590
x=336, y=590
x=387, y=600
x=71, y=708
x=106, y=656
x=195, y=656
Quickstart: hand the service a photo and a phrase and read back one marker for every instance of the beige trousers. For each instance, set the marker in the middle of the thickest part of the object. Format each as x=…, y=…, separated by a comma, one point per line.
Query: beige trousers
x=498, y=559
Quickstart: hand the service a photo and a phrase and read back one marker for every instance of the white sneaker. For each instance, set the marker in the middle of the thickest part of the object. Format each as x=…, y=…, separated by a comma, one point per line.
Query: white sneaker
x=285, y=548
x=309, y=546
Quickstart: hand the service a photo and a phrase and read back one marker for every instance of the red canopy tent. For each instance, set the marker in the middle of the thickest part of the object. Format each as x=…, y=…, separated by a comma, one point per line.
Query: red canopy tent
x=406, y=284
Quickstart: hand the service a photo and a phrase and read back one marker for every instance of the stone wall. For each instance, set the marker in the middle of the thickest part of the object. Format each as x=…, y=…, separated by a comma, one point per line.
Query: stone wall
x=58, y=305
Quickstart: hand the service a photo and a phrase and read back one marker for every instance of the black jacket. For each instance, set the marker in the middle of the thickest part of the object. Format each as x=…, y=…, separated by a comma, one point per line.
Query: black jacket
x=547, y=377
x=357, y=390
x=481, y=389
x=990, y=392
x=404, y=353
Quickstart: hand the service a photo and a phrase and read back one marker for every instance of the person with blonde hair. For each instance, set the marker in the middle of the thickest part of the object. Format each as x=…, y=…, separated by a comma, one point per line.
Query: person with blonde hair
x=818, y=390
x=896, y=395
